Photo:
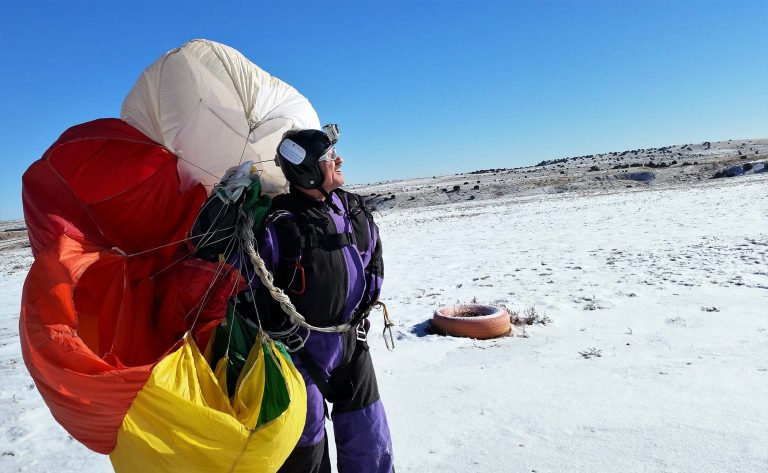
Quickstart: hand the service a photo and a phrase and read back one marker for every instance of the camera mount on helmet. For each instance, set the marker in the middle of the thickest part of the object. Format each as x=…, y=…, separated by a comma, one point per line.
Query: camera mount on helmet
x=332, y=131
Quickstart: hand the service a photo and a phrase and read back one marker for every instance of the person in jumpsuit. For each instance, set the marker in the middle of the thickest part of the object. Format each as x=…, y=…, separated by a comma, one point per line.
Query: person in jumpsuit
x=325, y=253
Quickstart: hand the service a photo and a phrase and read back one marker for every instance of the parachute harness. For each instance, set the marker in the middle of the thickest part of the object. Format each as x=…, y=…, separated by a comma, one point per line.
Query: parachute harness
x=231, y=186
x=247, y=237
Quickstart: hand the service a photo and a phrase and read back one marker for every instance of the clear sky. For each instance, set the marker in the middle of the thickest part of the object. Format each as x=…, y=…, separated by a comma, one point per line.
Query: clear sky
x=420, y=88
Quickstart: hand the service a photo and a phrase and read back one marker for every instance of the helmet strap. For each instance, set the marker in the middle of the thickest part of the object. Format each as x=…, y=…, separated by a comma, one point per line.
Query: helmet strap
x=329, y=200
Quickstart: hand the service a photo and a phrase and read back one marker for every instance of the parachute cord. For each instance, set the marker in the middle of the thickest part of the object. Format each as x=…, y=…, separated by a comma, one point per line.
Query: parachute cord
x=204, y=299
x=205, y=241
x=214, y=220
x=277, y=294
x=182, y=258
x=205, y=206
x=181, y=241
x=234, y=315
x=287, y=335
x=245, y=145
x=249, y=280
x=231, y=329
x=198, y=167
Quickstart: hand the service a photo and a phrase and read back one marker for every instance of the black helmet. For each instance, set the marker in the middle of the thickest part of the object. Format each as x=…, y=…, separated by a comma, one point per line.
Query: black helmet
x=298, y=154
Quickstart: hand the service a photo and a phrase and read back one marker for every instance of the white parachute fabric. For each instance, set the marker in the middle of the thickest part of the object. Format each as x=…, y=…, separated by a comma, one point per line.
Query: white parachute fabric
x=213, y=108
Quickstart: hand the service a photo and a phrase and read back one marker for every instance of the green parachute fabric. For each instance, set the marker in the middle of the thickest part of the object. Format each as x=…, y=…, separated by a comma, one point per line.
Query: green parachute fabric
x=231, y=344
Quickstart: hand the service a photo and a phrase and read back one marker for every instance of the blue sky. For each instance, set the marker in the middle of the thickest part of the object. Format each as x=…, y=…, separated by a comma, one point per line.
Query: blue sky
x=420, y=88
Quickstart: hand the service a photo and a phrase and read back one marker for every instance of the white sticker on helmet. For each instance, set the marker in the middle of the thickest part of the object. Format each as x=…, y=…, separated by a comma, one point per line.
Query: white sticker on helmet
x=291, y=151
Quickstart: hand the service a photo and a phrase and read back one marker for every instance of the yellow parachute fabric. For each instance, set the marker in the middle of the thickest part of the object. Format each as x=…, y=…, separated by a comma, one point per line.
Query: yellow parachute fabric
x=206, y=433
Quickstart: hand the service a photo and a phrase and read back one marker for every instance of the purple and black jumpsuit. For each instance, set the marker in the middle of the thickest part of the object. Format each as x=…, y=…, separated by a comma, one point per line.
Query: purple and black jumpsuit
x=329, y=263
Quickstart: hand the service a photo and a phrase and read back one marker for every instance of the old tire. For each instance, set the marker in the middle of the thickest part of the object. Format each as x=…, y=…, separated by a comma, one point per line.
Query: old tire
x=493, y=321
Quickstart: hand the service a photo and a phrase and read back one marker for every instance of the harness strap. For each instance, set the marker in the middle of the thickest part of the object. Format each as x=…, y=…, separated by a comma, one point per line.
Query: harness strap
x=329, y=242
x=314, y=371
x=339, y=387
x=375, y=267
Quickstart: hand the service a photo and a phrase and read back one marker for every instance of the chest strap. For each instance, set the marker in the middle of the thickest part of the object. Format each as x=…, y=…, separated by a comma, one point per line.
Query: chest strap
x=330, y=242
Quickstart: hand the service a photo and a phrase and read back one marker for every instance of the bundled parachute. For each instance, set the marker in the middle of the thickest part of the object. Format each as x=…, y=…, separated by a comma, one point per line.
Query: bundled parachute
x=213, y=109
x=114, y=308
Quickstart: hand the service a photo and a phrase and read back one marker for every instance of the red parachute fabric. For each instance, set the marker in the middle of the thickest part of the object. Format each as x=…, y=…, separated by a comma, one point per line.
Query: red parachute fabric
x=110, y=291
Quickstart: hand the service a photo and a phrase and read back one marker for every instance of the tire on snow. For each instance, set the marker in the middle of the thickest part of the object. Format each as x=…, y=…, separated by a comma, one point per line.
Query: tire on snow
x=493, y=321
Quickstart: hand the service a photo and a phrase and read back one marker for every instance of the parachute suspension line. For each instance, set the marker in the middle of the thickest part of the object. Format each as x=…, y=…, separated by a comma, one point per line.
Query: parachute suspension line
x=177, y=242
x=290, y=337
x=205, y=297
x=245, y=144
x=234, y=314
x=209, y=232
x=198, y=167
x=277, y=294
x=182, y=258
x=222, y=210
x=249, y=279
x=205, y=205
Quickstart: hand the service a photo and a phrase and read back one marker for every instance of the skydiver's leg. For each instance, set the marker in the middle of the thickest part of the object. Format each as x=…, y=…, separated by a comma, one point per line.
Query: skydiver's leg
x=312, y=459
x=311, y=452
x=363, y=442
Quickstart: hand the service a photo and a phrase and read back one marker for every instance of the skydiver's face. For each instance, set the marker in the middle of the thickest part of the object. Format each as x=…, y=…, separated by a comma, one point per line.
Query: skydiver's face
x=333, y=178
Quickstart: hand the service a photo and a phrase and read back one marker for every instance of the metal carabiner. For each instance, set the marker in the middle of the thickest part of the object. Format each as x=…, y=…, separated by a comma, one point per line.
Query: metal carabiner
x=389, y=339
x=360, y=333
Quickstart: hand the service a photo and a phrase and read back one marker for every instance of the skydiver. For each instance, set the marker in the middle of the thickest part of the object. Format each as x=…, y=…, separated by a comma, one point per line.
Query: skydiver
x=324, y=249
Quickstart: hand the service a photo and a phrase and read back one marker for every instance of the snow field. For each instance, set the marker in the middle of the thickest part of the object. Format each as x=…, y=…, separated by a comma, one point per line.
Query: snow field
x=630, y=276
x=669, y=286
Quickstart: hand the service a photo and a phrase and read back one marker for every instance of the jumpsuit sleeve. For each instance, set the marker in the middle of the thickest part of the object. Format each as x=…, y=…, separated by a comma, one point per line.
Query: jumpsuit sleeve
x=375, y=269
x=268, y=246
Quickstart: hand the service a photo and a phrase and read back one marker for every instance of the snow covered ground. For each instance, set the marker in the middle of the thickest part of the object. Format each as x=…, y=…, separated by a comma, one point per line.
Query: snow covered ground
x=655, y=357
x=669, y=286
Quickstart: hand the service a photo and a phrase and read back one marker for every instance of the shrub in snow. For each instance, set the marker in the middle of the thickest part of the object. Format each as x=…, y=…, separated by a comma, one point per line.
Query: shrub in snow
x=590, y=353
x=530, y=316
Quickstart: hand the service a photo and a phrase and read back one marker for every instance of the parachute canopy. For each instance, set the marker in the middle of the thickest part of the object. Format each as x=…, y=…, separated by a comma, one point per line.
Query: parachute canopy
x=213, y=108
x=115, y=307
x=113, y=310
